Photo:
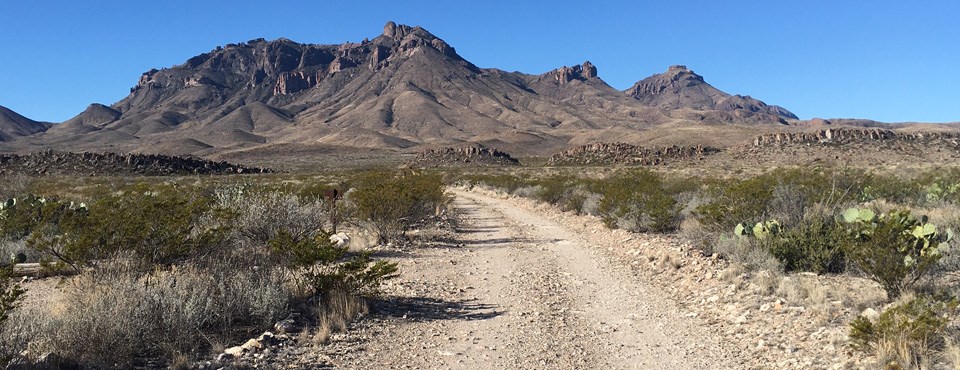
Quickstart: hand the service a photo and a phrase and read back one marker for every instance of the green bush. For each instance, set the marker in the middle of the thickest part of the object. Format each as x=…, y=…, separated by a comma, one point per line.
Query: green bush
x=637, y=201
x=784, y=195
x=730, y=204
x=20, y=217
x=815, y=245
x=554, y=189
x=917, y=325
x=892, y=188
x=507, y=183
x=158, y=225
x=391, y=204
x=894, y=249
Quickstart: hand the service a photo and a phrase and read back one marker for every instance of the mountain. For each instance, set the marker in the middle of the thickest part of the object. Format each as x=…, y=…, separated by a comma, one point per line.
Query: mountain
x=402, y=90
x=13, y=125
x=679, y=88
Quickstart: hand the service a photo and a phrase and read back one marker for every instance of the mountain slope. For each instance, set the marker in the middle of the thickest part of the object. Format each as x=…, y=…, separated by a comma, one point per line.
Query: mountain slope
x=403, y=89
x=13, y=125
x=679, y=88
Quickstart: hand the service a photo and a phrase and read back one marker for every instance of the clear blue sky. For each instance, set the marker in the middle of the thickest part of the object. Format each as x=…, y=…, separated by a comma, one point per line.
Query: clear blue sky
x=884, y=60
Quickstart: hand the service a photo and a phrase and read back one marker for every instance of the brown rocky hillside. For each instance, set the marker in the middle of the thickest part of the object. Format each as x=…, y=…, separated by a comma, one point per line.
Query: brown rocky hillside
x=400, y=91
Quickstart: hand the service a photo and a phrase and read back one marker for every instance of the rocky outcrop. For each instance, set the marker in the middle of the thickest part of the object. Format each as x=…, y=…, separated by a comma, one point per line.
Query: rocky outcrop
x=621, y=153
x=294, y=82
x=581, y=72
x=849, y=135
x=476, y=155
x=63, y=163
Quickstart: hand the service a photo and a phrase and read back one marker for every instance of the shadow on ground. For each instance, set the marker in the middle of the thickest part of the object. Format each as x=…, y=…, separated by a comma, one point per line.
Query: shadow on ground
x=430, y=309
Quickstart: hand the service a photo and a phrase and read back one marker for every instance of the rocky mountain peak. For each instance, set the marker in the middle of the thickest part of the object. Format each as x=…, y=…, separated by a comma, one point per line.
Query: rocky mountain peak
x=680, y=88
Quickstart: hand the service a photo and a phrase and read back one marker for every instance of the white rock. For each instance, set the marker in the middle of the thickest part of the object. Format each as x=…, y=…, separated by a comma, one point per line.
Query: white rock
x=234, y=351
x=870, y=314
x=251, y=345
x=340, y=239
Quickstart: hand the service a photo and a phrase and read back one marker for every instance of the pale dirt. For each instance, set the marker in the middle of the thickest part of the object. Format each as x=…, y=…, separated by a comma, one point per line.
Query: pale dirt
x=519, y=290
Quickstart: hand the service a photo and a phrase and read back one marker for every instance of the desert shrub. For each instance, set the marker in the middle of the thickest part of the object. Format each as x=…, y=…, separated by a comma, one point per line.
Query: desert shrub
x=568, y=192
x=391, y=204
x=783, y=195
x=10, y=293
x=318, y=266
x=815, y=244
x=554, y=189
x=159, y=225
x=894, y=249
x=117, y=316
x=258, y=216
x=892, y=189
x=746, y=252
x=907, y=334
x=788, y=204
x=698, y=237
x=507, y=183
x=637, y=201
x=732, y=203
x=20, y=217
x=357, y=275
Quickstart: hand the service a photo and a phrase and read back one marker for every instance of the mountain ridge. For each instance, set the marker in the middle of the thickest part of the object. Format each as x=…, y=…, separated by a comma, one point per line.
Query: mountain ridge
x=404, y=89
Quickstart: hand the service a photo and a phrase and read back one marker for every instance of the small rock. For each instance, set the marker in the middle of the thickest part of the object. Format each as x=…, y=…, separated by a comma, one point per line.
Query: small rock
x=266, y=338
x=251, y=345
x=870, y=314
x=234, y=351
x=287, y=326
x=226, y=357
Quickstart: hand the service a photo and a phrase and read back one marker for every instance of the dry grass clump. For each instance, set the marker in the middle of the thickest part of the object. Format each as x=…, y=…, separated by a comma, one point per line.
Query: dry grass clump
x=746, y=253
x=334, y=312
x=14, y=185
x=912, y=333
x=120, y=314
x=260, y=215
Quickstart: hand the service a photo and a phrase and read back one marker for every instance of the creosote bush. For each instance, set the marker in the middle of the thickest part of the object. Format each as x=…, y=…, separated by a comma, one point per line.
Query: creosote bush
x=638, y=201
x=894, y=249
x=815, y=244
x=390, y=204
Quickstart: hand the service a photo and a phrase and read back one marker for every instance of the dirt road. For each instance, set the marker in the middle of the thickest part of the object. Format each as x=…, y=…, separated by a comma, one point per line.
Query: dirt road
x=517, y=290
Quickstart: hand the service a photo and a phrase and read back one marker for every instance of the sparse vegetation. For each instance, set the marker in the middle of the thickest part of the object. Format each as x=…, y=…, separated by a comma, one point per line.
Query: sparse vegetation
x=894, y=249
x=10, y=293
x=170, y=272
x=908, y=335
x=824, y=221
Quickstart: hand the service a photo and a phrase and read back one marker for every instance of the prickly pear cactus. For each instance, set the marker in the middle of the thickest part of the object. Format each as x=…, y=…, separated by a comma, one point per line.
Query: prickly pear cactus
x=760, y=230
x=852, y=215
